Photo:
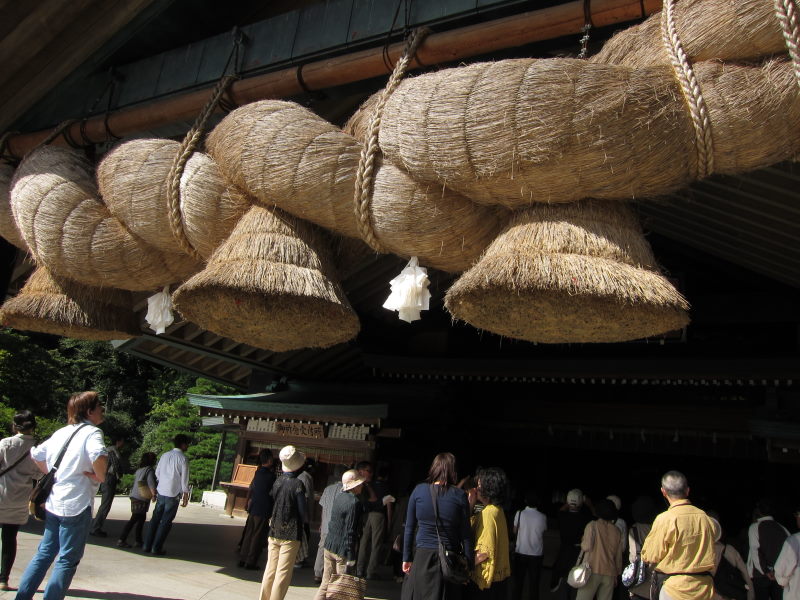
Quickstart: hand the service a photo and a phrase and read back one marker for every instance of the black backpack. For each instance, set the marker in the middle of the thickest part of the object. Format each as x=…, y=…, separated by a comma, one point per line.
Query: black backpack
x=728, y=580
x=771, y=537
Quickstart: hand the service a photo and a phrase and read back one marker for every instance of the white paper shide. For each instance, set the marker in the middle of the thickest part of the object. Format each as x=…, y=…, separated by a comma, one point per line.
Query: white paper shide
x=410, y=293
x=159, y=311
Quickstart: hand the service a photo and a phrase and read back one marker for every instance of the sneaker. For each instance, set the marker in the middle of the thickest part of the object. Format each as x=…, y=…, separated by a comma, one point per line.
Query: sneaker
x=557, y=585
x=123, y=544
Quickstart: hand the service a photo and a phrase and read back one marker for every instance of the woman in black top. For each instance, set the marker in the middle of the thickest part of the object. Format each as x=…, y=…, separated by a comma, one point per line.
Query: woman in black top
x=341, y=542
x=286, y=525
x=424, y=580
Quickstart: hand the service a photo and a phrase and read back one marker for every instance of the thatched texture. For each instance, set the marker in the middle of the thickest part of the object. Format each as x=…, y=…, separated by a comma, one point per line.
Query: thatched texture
x=515, y=132
x=68, y=229
x=579, y=272
x=272, y=285
x=285, y=155
x=49, y=304
x=708, y=29
x=8, y=228
x=132, y=180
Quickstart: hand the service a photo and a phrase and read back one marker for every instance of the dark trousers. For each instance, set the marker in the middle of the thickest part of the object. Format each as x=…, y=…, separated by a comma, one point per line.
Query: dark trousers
x=161, y=522
x=526, y=568
x=108, y=489
x=255, y=539
x=767, y=589
x=138, y=517
x=8, y=541
x=497, y=591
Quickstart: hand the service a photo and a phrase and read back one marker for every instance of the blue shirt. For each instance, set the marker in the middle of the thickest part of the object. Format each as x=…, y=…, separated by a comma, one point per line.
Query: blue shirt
x=454, y=526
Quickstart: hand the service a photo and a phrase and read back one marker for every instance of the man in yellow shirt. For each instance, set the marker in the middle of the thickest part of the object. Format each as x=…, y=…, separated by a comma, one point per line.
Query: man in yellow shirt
x=681, y=545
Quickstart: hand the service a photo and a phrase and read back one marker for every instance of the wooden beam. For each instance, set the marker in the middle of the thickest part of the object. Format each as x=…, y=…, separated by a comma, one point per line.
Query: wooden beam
x=445, y=47
x=74, y=30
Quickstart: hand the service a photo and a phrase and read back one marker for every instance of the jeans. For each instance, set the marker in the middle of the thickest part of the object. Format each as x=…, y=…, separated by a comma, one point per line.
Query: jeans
x=8, y=542
x=66, y=538
x=161, y=522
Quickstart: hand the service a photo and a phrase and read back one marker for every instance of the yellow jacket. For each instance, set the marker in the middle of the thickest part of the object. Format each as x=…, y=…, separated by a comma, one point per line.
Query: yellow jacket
x=491, y=537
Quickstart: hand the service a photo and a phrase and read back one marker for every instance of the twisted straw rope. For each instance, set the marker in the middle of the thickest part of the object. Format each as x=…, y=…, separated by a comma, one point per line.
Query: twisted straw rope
x=187, y=148
x=369, y=152
x=785, y=12
x=691, y=91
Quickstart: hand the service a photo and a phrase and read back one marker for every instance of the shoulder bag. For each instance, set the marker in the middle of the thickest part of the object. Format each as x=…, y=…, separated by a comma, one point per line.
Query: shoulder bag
x=579, y=574
x=143, y=487
x=453, y=564
x=41, y=491
x=16, y=462
x=345, y=587
x=636, y=572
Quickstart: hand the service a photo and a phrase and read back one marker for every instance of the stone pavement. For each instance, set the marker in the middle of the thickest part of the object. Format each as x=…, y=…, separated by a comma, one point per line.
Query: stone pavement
x=200, y=563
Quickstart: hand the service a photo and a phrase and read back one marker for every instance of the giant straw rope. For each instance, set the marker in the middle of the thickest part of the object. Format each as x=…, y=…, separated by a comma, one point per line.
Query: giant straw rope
x=455, y=150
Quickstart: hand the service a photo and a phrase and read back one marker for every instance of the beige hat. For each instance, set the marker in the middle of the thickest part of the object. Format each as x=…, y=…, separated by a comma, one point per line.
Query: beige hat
x=351, y=479
x=291, y=459
x=575, y=498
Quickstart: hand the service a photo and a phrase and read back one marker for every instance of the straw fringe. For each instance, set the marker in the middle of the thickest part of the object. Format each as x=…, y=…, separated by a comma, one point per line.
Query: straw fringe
x=272, y=285
x=49, y=304
x=557, y=275
x=286, y=156
x=68, y=229
x=556, y=130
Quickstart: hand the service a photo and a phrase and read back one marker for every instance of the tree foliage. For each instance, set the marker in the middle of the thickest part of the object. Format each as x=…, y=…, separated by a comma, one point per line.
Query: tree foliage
x=145, y=403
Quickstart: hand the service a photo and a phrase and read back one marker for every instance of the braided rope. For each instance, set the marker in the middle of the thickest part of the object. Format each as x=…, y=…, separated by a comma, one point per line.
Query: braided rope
x=62, y=127
x=787, y=17
x=369, y=152
x=704, y=142
x=185, y=151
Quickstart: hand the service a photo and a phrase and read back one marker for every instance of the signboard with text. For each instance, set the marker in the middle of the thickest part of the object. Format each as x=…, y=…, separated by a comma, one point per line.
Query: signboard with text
x=309, y=430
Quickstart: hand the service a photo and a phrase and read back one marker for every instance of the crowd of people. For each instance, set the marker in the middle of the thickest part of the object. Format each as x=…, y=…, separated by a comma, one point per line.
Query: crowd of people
x=82, y=463
x=448, y=538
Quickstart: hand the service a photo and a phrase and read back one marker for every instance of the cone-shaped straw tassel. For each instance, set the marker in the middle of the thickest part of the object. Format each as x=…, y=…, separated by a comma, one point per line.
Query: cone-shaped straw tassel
x=51, y=304
x=579, y=272
x=272, y=285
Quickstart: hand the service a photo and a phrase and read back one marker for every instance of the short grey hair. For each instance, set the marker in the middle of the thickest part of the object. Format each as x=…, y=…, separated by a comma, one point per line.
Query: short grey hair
x=675, y=485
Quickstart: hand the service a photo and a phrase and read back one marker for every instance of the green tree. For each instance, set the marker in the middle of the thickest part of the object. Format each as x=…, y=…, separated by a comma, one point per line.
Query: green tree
x=28, y=371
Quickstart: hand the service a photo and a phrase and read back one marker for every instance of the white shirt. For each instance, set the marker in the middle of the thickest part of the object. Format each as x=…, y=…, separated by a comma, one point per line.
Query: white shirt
x=787, y=568
x=531, y=526
x=172, y=473
x=753, y=561
x=73, y=491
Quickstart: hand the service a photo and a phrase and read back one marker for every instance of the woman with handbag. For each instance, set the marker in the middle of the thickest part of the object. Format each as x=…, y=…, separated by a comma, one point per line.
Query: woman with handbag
x=602, y=547
x=492, y=551
x=439, y=512
x=78, y=456
x=142, y=493
x=644, y=511
x=341, y=542
x=17, y=471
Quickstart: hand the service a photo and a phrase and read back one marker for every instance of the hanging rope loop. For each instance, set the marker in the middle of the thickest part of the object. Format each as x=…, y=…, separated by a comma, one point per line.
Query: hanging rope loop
x=369, y=152
x=684, y=72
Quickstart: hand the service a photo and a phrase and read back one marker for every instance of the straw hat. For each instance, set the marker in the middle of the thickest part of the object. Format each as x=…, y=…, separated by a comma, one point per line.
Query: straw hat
x=291, y=459
x=351, y=479
x=51, y=304
x=578, y=272
x=271, y=285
